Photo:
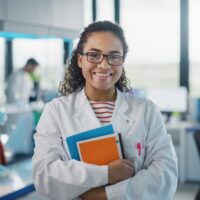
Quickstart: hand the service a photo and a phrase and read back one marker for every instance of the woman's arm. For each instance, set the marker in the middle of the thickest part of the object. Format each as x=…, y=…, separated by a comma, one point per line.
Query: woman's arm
x=55, y=176
x=118, y=170
x=157, y=179
x=95, y=194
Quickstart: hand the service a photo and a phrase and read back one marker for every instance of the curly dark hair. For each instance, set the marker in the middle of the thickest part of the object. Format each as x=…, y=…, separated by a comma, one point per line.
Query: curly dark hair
x=73, y=79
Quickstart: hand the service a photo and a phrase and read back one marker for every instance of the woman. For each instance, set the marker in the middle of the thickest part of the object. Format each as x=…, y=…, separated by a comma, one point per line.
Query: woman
x=95, y=77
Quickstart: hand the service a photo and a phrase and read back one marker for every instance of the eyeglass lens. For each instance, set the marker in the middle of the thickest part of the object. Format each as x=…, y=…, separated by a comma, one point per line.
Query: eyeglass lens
x=112, y=59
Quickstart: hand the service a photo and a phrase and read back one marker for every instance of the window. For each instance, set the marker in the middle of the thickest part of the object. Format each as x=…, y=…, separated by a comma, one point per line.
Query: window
x=2, y=67
x=48, y=52
x=105, y=10
x=87, y=12
x=194, y=47
x=152, y=32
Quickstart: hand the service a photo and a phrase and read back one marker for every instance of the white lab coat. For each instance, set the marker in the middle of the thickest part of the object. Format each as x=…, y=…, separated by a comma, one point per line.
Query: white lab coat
x=139, y=120
x=19, y=87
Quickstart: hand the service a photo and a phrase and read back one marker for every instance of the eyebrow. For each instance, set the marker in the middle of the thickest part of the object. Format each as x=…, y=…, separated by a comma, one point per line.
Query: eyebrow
x=93, y=49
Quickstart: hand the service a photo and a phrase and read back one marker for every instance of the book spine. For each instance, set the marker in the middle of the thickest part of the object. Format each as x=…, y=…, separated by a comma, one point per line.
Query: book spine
x=121, y=145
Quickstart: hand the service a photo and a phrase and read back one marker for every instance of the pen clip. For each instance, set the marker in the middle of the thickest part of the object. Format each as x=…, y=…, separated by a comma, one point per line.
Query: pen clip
x=139, y=147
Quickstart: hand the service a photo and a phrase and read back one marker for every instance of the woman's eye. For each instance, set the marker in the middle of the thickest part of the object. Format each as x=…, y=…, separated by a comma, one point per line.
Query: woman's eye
x=114, y=57
x=95, y=55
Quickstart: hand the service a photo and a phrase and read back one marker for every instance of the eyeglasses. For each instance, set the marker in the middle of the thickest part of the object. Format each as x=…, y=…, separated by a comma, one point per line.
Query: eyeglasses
x=97, y=58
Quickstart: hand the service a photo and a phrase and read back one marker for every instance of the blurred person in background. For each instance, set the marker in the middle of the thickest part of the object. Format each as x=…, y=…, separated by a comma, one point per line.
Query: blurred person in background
x=21, y=83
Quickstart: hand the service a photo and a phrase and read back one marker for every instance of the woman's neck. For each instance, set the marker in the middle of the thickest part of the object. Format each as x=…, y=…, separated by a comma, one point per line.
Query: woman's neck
x=101, y=95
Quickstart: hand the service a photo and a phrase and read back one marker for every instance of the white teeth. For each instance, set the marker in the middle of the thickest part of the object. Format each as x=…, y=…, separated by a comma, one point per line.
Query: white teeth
x=102, y=75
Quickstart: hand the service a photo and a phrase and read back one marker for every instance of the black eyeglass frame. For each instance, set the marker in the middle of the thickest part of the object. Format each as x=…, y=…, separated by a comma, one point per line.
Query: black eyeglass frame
x=104, y=55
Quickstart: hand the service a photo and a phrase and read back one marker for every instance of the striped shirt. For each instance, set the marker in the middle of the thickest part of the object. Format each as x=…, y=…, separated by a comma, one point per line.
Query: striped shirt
x=103, y=110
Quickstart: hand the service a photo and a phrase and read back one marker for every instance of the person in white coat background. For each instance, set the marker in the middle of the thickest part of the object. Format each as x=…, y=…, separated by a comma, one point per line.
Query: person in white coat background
x=95, y=94
x=20, y=86
x=20, y=83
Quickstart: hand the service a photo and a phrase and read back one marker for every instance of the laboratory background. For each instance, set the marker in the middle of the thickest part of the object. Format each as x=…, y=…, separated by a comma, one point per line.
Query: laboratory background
x=163, y=64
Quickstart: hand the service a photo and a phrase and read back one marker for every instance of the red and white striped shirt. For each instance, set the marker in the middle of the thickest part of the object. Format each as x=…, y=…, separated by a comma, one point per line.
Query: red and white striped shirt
x=103, y=110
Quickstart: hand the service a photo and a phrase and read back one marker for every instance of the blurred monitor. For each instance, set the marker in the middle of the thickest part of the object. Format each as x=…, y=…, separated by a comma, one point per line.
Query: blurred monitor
x=169, y=100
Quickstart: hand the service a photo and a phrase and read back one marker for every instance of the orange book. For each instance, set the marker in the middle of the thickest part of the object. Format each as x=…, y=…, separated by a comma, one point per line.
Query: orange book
x=100, y=150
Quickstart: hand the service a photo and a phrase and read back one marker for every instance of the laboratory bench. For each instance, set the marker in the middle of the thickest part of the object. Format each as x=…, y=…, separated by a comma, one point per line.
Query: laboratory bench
x=17, y=180
x=186, y=149
x=16, y=176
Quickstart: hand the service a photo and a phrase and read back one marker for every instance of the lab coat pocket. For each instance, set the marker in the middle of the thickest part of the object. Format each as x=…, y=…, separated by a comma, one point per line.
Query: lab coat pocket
x=135, y=155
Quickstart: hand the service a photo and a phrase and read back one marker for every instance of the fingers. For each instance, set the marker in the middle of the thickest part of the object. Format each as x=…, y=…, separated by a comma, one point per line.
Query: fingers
x=121, y=162
x=120, y=169
x=131, y=166
x=128, y=162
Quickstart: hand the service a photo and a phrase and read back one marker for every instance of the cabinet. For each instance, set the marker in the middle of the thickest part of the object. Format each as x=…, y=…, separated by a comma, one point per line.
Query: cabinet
x=42, y=17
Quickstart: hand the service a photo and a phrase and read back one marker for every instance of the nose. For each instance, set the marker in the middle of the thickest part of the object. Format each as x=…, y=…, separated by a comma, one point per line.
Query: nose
x=104, y=64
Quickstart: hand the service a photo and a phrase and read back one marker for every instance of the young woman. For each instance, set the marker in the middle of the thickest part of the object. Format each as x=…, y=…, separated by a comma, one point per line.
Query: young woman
x=94, y=94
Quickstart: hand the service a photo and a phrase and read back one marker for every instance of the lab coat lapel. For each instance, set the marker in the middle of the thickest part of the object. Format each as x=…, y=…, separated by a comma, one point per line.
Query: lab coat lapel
x=122, y=118
x=86, y=119
x=84, y=114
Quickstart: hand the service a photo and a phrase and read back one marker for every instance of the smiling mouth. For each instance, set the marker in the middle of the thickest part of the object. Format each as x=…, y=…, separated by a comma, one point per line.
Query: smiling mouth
x=103, y=74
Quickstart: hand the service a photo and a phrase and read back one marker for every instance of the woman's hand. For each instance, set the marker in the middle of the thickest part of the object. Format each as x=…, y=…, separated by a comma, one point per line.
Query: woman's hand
x=95, y=194
x=119, y=170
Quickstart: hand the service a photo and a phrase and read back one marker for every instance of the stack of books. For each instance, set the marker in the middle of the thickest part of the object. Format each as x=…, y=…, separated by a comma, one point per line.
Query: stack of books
x=98, y=146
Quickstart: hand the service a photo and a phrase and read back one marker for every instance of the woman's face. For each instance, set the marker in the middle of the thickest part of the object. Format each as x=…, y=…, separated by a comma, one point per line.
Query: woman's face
x=101, y=76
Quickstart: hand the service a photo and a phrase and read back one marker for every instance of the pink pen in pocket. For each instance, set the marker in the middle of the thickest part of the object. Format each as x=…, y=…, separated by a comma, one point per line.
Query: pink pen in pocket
x=139, y=147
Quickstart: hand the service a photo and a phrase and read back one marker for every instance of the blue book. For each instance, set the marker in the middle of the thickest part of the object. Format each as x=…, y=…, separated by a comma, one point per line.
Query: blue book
x=93, y=133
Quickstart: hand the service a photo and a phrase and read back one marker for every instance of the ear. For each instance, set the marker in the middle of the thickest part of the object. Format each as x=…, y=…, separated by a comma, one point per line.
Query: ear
x=79, y=60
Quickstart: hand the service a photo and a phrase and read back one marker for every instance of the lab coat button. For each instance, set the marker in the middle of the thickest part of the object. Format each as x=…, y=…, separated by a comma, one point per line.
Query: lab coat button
x=127, y=121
